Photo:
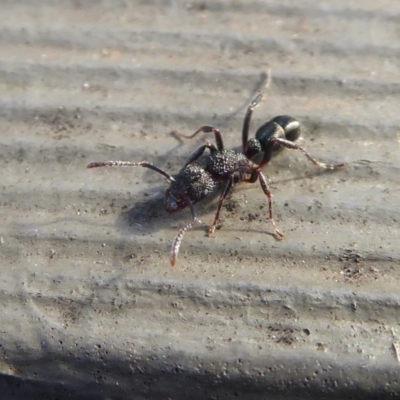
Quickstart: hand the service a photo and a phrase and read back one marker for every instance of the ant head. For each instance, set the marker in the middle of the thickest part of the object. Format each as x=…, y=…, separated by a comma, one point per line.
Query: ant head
x=175, y=199
x=191, y=185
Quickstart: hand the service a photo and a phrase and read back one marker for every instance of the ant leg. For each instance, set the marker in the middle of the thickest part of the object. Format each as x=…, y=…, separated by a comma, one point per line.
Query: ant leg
x=199, y=152
x=178, y=240
x=246, y=122
x=205, y=129
x=254, y=102
x=222, y=198
x=144, y=164
x=293, y=146
x=265, y=188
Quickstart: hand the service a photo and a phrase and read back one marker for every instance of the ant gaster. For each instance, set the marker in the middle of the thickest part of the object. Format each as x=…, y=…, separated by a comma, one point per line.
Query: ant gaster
x=282, y=126
x=225, y=168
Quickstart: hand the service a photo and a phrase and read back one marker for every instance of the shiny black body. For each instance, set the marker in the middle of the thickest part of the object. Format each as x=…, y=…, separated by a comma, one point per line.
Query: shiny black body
x=282, y=126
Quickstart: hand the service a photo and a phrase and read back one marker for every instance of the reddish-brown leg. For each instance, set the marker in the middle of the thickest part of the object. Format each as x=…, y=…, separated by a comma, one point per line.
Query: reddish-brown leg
x=222, y=198
x=265, y=188
x=205, y=129
x=293, y=146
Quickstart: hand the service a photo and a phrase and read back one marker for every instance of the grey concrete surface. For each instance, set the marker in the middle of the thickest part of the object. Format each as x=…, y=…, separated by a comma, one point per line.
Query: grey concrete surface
x=91, y=309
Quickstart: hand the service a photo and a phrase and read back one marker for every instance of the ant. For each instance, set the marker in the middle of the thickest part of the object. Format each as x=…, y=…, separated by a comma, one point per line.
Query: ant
x=225, y=168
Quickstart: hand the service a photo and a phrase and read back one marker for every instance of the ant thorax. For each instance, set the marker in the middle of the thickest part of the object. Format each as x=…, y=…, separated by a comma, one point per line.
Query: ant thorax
x=225, y=164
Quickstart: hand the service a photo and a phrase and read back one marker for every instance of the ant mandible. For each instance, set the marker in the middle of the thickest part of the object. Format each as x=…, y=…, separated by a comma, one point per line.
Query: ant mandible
x=225, y=168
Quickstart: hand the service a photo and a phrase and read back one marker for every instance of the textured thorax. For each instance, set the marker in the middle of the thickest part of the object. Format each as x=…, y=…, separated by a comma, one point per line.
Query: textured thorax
x=226, y=163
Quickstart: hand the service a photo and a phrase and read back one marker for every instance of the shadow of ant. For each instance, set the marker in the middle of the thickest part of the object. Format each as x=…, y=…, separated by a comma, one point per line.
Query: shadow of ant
x=148, y=214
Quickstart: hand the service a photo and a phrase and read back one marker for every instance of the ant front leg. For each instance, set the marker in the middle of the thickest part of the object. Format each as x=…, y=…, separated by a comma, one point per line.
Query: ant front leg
x=293, y=146
x=222, y=198
x=205, y=129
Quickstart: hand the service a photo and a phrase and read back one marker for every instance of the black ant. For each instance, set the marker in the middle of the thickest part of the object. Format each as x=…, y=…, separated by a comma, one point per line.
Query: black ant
x=225, y=168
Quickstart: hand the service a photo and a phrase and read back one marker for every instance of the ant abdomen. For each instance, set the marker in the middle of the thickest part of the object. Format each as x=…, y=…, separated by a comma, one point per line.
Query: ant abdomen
x=282, y=127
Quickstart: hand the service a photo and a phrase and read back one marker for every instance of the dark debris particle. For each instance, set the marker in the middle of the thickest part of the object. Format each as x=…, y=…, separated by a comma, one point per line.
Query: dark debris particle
x=252, y=217
x=230, y=205
x=350, y=255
